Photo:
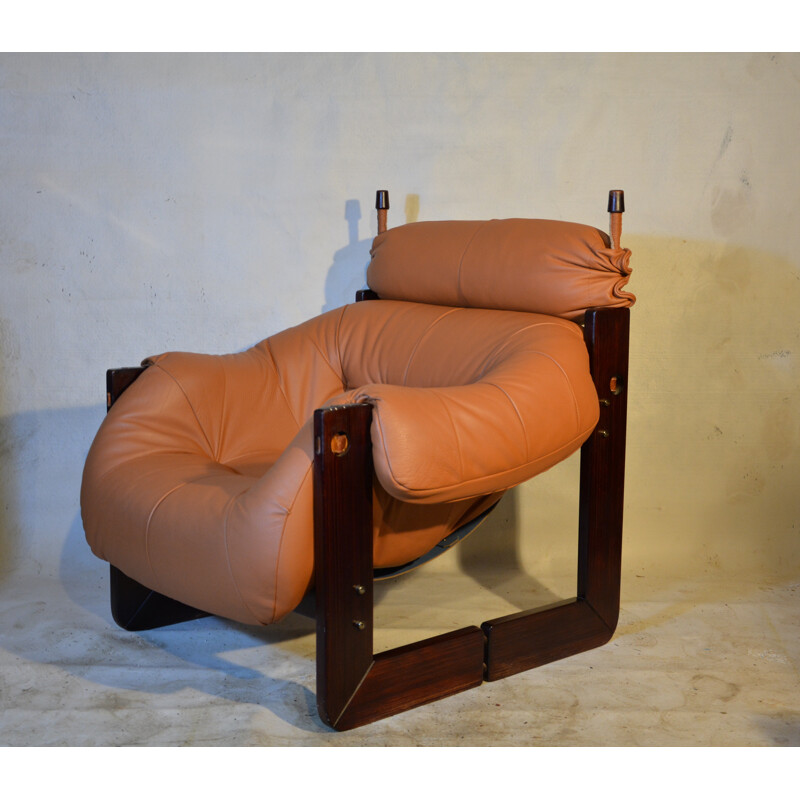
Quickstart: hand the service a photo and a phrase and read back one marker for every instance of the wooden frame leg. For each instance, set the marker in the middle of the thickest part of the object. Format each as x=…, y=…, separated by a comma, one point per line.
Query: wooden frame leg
x=136, y=608
x=355, y=686
x=530, y=638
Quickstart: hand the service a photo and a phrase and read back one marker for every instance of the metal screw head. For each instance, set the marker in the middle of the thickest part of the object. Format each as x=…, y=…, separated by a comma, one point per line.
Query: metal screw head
x=359, y=589
x=358, y=624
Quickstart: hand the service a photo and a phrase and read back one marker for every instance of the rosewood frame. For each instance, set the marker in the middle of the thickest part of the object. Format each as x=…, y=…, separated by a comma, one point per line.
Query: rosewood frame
x=356, y=686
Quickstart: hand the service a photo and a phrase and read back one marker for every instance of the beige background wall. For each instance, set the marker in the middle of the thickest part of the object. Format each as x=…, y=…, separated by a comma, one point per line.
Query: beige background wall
x=204, y=202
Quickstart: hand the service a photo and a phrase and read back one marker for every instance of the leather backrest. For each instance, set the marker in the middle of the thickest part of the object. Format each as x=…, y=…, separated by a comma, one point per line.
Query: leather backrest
x=541, y=266
x=467, y=401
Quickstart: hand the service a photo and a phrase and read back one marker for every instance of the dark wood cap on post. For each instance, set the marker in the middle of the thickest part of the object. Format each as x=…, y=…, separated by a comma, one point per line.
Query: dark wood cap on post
x=616, y=205
x=382, y=206
x=616, y=201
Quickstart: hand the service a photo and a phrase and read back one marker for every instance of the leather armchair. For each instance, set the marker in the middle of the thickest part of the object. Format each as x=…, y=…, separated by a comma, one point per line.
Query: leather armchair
x=236, y=485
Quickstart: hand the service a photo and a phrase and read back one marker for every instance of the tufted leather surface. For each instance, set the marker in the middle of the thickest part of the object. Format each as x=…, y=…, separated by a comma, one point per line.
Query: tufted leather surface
x=199, y=482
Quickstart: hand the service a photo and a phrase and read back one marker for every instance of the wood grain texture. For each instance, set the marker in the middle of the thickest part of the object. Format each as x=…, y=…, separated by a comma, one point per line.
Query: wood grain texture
x=118, y=380
x=354, y=686
x=528, y=639
x=419, y=673
x=602, y=478
x=342, y=555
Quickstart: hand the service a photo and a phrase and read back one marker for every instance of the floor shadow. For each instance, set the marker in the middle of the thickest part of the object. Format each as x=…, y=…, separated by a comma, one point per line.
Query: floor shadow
x=207, y=645
x=491, y=556
x=782, y=728
x=47, y=605
x=212, y=657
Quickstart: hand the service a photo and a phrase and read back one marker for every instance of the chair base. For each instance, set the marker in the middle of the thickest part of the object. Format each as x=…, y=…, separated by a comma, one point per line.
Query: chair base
x=355, y=686
x=136, y=608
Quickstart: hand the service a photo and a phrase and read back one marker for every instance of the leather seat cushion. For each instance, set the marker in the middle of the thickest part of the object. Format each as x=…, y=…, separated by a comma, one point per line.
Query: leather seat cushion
x=199, y=481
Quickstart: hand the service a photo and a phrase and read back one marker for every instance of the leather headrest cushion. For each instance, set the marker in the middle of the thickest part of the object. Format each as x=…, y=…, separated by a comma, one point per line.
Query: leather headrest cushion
x=542, y=266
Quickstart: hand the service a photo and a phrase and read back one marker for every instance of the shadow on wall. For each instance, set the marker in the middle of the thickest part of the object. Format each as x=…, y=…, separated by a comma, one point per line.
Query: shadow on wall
x=33, y=472
x=41, y=462
x=9, y=490
x=348, y=272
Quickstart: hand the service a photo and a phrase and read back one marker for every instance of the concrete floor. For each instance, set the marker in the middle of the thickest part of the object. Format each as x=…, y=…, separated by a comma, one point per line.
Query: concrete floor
x=703, y=661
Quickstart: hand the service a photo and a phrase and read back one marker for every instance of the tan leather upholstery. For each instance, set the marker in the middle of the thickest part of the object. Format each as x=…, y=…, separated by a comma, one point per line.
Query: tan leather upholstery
x=546, y=266
x=199, y=482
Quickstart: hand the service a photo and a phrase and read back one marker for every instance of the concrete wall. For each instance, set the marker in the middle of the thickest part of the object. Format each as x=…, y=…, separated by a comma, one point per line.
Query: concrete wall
x=204, y=202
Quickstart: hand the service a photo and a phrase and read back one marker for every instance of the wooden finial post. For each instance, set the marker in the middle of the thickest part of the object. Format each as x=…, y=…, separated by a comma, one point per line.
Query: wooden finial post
x=616, y=205
x=382, y=205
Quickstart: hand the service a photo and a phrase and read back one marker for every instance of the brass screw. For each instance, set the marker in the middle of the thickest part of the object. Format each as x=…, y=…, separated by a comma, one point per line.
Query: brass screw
x=359, y=589
x=604, y=433
x=358, y=624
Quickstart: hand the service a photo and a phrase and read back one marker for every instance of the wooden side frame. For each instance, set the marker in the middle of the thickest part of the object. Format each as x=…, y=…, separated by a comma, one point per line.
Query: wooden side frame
x=355, y=686
x=531, y=638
